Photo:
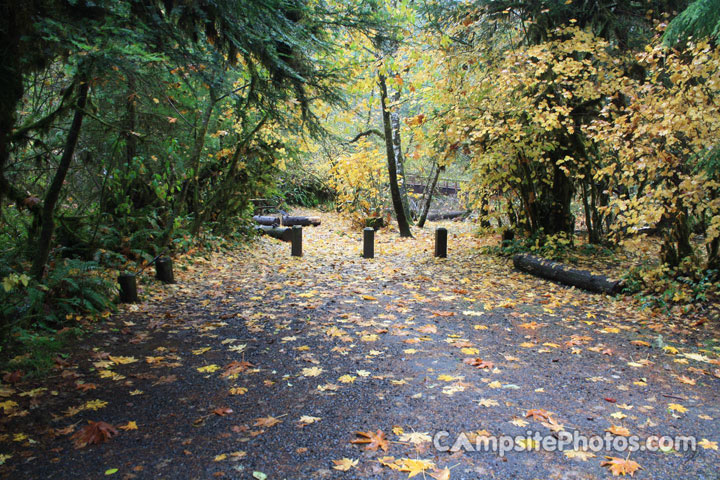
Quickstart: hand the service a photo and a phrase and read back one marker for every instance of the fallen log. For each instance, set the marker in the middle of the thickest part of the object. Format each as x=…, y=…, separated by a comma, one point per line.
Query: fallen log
x=266, y=220
x=302, y=221
x=567, y=275
x=286, y=220
x=433, y=217
x=281, y=233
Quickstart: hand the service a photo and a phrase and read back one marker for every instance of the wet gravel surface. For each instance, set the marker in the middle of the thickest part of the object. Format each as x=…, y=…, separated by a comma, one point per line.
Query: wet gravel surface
x=365, y=345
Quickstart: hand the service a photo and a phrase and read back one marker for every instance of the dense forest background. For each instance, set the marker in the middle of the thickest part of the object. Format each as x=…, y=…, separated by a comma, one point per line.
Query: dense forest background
x=133, y=128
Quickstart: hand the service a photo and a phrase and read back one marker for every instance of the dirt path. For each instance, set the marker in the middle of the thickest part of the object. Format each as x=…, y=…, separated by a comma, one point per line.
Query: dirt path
x=261, y=364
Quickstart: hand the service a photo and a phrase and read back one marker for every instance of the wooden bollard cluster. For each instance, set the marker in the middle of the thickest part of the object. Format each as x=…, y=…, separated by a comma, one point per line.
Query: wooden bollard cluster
x=441, y=242
x=128, y=281
x=164, y=268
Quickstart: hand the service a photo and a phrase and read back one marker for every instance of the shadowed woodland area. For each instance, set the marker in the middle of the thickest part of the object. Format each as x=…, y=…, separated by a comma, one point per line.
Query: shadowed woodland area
x=164, y=315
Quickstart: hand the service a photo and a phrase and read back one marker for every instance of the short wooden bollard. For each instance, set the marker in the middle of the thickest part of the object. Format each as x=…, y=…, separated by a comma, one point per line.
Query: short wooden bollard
x=296, y=249
x=164, y=270
x=128, y=288
x=441, y=242
x=368, y=242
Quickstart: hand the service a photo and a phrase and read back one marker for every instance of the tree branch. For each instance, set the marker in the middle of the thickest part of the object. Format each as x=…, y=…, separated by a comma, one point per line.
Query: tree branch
x=365, y=134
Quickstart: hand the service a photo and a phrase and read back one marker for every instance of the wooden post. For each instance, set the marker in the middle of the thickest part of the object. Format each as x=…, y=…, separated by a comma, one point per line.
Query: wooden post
x=368, y=243
x=296, y=249
x=164, y=270
x=128, y=288
x=441, y=242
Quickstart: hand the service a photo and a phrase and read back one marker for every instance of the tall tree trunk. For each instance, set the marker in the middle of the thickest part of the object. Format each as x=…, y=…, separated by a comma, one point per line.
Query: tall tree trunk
x=11, y=92
x=593, y=236
x=431, y=190
x=399, y=159
x=556, y=213
x=47, y=226
x=403, y=224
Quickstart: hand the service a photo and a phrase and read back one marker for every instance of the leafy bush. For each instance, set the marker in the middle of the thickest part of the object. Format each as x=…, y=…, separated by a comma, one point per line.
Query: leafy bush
x=72, y=287
x=664, y=287
x=304, y=189
x=35, y=353
x=554, y=247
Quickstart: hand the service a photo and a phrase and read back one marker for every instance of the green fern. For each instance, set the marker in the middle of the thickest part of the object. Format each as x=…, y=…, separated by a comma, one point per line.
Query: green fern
x=701, y=19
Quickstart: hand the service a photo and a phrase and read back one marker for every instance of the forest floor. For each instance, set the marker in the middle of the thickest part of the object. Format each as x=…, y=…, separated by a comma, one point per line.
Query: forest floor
x=259, y=365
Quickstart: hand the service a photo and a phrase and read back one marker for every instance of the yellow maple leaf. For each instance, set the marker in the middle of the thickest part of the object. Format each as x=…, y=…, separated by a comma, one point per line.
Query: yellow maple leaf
x=94, y=405
x=415, y=466
x=677, y=407
x=707, y=444
x=344, y=464
x=579, y=454
x=347, y=379
x=208, y=369
x=122, y=360
x=130, y=426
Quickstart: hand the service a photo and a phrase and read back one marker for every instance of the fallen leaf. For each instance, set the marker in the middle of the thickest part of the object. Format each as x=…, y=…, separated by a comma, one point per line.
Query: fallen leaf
x=373, y=440
x=579, y=454
x=344, y=464
x=93, y=433
x=621, y=466
x=129, y=426
x=266, y=422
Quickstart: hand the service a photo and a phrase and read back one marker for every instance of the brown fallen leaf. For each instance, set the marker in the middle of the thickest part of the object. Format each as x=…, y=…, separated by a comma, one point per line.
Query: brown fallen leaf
x=621, y=466
x=617, y=430
x=13, y=377
x=67, y=430
x=266, y=421
x=479, y=363
x=538, y=414
x=373, y=440
x=428, y=329
x=94, y=432
x=443, y=474
x=235, y=367
x=84, y=387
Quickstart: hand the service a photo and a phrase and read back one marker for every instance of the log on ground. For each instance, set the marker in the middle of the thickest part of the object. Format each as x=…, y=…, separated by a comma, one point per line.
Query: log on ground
x=433, y=217
x=558, y=272
x=286, y=221
x=281, y=233
x=302, y=221
x=267, y=220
